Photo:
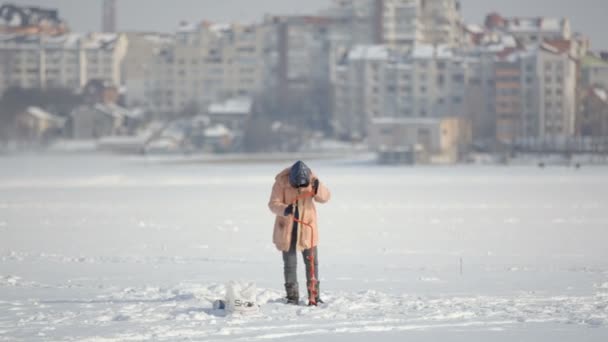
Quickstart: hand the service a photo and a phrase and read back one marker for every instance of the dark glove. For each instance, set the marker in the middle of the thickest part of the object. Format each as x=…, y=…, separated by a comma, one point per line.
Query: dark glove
x=315, y=185
x=288, y=210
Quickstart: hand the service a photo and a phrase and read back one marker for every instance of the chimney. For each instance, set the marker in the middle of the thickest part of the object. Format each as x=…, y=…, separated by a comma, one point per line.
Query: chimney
x=109, y=16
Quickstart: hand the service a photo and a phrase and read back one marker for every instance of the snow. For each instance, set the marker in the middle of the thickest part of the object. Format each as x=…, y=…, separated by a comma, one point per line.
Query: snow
x=105, y=248
x=427, y=51
x=543, y=24
x=239, y=105
x=217, y=131
x=474, y=28
x=100, y=40
x=369, y=52
x=601, y=94
x=41, y=114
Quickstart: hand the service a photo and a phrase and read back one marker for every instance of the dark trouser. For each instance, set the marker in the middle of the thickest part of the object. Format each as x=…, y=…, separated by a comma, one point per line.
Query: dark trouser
x=290, y=262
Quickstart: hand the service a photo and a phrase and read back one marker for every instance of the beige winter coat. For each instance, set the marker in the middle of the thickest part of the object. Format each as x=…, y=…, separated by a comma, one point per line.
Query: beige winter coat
x=284, y=194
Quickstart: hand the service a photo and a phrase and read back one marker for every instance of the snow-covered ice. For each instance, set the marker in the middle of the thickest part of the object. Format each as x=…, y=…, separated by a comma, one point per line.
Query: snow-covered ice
x=102, y=248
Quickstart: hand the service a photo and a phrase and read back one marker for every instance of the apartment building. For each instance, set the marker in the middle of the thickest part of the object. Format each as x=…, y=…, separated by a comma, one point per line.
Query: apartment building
x=535, y=94
x=378, y=82
x=592, y=120
x=139, y=63
x=298, y=68
x=360, y=91
x=355, y=21
x=595, y=71
x=205, y=63
x=402, y=23
x=531, y=31
x=442, y=22
x=68, y=60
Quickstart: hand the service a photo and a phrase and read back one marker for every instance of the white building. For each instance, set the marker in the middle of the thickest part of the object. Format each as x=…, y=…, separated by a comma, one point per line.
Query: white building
x=402, y=23
x=535, y=94
x=69, y=60
x=379, y=82
x=139, y=60
x=205, y=63
x=442, y=22
x=359, y=90
x=298, y=65
x=355, y=21
x=595, y=71
x=233, y=113
x=536, y=30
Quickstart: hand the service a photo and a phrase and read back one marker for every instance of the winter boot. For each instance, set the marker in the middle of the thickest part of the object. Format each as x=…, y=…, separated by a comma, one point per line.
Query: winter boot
x=293, y=294
x=317, y=299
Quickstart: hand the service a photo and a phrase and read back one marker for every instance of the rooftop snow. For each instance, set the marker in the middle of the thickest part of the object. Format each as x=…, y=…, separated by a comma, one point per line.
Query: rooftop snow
x=100, y=40
x=368, y=52
x=217, y=131
x=117, y=111
x=424, y=51
x=601, y=94
x=41, y=114
x=186, y=27
x=474, y=28
x=70, y=40
x=239, y=105
x=535, y=24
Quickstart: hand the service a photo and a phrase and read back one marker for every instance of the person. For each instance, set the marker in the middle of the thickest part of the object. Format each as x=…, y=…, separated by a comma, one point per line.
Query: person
x=295, y=230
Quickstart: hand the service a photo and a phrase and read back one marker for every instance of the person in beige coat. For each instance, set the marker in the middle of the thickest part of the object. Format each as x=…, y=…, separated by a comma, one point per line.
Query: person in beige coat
x=294, y=193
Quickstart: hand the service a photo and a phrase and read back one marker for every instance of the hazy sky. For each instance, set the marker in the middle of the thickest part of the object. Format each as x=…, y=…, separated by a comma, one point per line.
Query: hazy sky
x=588, y=16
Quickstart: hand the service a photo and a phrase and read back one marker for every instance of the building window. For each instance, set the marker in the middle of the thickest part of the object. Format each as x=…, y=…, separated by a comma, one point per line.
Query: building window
x=458, y=78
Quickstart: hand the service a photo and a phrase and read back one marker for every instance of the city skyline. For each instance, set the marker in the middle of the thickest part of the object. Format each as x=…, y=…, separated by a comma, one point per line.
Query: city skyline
x=586, y=15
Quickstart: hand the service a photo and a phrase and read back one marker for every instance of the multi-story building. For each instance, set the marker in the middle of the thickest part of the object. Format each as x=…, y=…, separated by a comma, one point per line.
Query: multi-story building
x=531, y=30
x=592, y=120
x=402, y=23
x=69, y=60
x=360, y=91
x=103, y=57
x=205, y=63
x=442, y=22
x=139, y=62
x=406, y=23
x=298, y=68
x=378, y=82
x=594, y=71
x=355, y=21
x=535, y=94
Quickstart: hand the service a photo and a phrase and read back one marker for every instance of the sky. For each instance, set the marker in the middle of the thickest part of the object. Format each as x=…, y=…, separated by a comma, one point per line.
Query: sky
x=588, y=16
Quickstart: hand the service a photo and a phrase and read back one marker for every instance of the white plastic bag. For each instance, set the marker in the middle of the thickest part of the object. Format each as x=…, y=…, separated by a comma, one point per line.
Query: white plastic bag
x=241, y=298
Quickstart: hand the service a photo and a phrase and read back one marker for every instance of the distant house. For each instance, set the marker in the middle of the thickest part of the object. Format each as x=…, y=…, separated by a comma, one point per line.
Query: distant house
x=102, y=120
x=218, y=138
x=37, y=125
x=233, y=113
x=592, y=120
x=437, y=139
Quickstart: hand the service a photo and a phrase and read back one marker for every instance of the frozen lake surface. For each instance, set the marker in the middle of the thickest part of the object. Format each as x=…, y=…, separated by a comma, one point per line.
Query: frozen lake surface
x=105, y=248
